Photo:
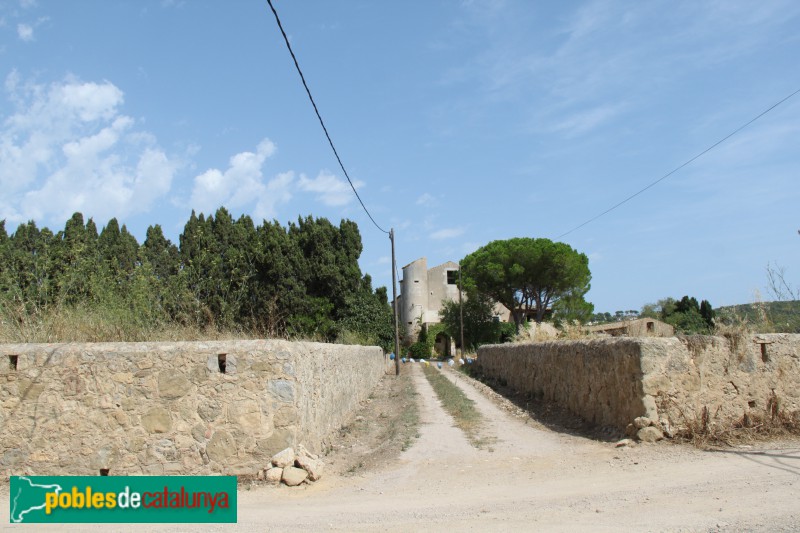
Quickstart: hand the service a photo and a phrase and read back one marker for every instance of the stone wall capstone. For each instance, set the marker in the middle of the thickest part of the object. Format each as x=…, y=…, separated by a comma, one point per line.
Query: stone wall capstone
x=174, y=408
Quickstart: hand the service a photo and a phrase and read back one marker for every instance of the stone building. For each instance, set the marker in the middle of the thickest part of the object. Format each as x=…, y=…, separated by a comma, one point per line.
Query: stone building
x=423, y=291
x=642, y=327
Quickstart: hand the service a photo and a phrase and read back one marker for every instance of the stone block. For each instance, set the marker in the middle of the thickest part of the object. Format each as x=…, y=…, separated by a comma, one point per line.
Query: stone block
x=314, y=467
x=285, y=416
x=282, y=390
x=273, y=475
x=293, y=476
x=157, y=420
x=173, y=384
x=221, y=446
x=30, y=390
x=283, y=458
x=649, y=434
x=247, y=414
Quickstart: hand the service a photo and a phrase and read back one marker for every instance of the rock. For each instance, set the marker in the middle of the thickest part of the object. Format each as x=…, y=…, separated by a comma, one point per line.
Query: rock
x=649, y=434
x=260, y=475
x=280, y=439
x=285, y=416
x=624, y=442
x=283, y=458
x=221, y=446
x=273, y=475
x=314, y=467
x=665, y=425
x=641, y=422
x=650, y=408
x=173, y=384
x=282, y=390
x=157, y=420
x=294, y=476
x=302, y=451
x=630, y=430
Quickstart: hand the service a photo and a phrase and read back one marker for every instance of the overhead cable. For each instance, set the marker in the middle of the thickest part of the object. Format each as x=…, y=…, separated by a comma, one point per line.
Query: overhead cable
x=308, y=92
x=671, y=172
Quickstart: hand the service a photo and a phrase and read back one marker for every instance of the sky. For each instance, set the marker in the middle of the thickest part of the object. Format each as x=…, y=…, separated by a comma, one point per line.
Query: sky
x=459, y=123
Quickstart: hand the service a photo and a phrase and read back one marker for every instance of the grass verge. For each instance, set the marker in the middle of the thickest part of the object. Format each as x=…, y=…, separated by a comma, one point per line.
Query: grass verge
x=456, y=403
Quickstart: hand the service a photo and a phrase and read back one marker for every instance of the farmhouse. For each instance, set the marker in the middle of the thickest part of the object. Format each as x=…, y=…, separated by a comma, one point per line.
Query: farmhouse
x=422, y=294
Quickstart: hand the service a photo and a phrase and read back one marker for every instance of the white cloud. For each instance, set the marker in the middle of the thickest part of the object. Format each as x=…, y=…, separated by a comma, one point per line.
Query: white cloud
x=278, y=192
x=427, y=200
x=28, y=3
x=242, y=184
x=67, y=148
x=447, y=233
x=25, y=32
x=329, y=189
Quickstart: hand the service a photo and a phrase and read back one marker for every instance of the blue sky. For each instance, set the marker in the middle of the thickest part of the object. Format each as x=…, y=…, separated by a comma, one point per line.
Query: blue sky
x=459, y=122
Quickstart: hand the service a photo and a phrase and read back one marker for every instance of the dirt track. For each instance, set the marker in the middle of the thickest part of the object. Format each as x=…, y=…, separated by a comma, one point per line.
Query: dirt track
x=532, y=479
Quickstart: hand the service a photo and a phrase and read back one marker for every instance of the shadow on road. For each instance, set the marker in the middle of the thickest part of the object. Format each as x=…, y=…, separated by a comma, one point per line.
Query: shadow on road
x=549, y=414
x=786, y=460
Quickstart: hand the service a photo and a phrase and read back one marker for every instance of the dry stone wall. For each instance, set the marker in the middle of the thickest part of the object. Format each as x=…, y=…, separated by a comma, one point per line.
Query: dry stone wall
x=730, y=377
x=174, y=408
x=612, y=382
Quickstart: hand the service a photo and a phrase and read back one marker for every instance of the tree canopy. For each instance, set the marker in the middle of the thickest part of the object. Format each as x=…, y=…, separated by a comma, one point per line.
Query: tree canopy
x=480, y=326
x=302, y=280
x=528, y=275
x=686, y=315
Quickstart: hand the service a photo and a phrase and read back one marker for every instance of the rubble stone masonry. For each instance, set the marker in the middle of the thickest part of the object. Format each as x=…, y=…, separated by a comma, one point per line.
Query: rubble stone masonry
x=611, y=382
x=174, y=407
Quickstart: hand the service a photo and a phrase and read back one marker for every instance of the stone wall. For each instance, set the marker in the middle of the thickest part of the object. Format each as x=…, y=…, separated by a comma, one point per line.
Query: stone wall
x=174, y=408
x=611, y=382
x=728, y=376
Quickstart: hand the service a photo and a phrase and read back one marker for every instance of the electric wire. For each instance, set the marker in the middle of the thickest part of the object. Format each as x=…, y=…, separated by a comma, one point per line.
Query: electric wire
x=676, y=169
x=316, y=110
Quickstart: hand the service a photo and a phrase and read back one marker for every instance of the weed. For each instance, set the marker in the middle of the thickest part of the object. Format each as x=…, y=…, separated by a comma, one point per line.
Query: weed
x=355, y=467
x=705, y=429
x=455, y=402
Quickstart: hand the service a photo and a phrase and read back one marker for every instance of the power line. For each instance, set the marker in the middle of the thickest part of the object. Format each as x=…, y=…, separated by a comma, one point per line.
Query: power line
x=673, y=171
x=303, y=78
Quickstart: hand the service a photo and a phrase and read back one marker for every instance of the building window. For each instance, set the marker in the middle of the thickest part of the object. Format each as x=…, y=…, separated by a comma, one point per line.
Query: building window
x=452, y=277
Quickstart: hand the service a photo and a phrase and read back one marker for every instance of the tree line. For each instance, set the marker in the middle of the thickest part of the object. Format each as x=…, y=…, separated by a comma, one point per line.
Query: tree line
x=302, y=280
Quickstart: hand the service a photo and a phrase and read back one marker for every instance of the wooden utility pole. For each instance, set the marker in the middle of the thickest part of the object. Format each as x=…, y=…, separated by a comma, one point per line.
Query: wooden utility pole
x=394, y=305
x=461, y=310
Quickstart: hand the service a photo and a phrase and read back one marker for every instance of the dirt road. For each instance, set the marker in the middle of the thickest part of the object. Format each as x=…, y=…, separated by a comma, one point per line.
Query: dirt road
x=533, y=479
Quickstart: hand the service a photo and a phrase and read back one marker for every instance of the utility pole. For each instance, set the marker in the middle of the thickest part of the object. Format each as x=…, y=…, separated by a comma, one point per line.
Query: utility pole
x=394, y=305
x=461, y=310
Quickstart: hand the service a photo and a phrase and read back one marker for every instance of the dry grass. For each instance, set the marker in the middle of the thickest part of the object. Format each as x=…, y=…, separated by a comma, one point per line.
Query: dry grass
x=81, y=324
x=533, y=332
x=574, y=331
x=455, y=402
x=705, y=429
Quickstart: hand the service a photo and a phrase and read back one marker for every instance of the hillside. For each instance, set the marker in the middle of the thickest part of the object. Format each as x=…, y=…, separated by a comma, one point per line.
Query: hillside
x=782, y=317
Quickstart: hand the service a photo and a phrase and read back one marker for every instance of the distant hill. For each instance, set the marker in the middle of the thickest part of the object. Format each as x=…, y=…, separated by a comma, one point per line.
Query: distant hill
x=784, y=317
